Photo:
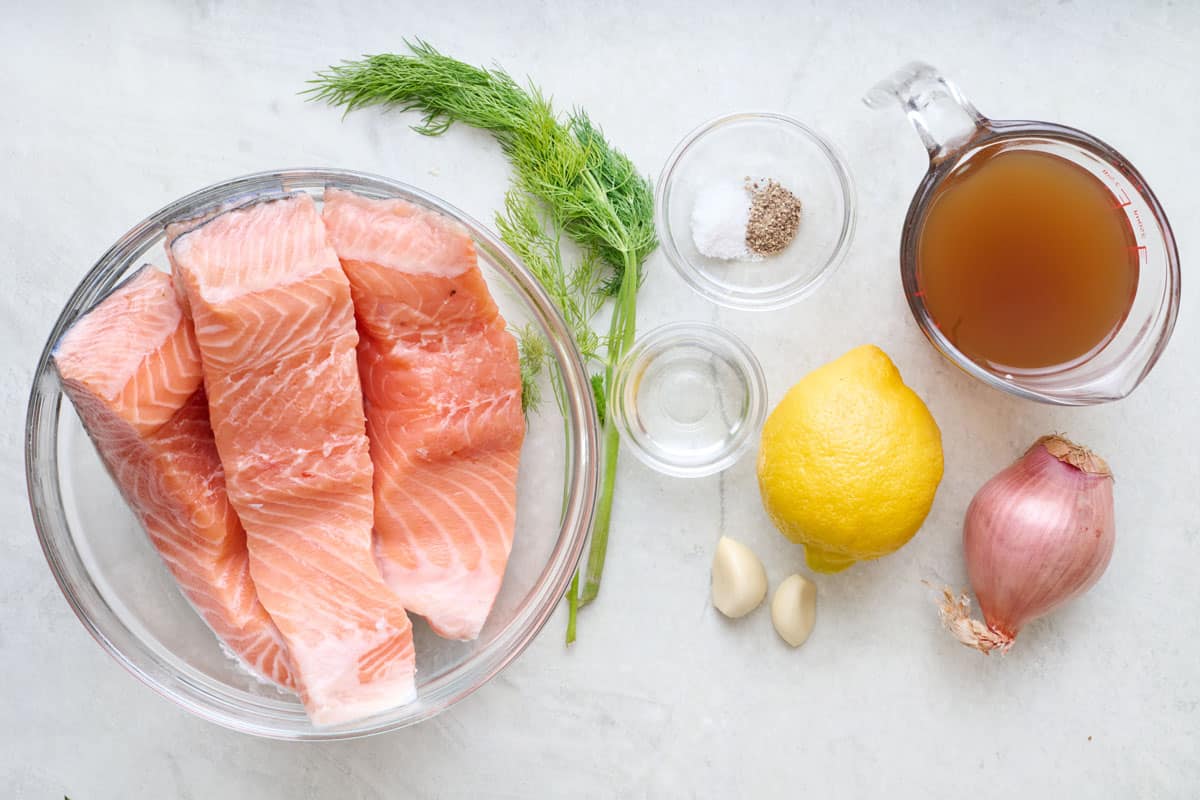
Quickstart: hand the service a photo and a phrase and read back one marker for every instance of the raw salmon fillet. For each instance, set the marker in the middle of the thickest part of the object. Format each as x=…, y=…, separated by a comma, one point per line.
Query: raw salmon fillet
x=442, y=388
x=275, y=326
x=132, y=369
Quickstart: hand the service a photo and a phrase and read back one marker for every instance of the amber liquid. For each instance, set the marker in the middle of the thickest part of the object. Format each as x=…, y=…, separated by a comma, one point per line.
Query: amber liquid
x=1025, y=260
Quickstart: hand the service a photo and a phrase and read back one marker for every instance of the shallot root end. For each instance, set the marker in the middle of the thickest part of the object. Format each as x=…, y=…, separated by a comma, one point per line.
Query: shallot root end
x=955, y=612
x=1076, y=455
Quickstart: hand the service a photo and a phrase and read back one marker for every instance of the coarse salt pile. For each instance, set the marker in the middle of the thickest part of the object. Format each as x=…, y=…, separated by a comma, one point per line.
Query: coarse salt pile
x=719, y=220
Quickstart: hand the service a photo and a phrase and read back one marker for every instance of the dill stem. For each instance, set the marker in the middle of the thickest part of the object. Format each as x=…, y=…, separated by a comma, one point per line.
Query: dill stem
x=621, y=335
x=599, y=548
x=572, y=607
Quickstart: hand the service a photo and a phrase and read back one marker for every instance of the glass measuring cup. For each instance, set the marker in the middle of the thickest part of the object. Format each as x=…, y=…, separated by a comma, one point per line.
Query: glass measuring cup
x=953, y=132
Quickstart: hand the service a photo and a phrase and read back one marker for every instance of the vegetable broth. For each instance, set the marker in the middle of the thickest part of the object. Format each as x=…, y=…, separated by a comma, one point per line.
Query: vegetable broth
x=1025, y=260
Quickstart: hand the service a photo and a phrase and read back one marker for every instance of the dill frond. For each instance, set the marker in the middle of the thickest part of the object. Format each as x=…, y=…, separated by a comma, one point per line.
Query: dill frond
x=593, y=192
x=573, y=290
x=531, y=349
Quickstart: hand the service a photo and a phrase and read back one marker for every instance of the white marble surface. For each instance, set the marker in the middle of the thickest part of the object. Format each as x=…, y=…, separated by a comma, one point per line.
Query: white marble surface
x=108, y=114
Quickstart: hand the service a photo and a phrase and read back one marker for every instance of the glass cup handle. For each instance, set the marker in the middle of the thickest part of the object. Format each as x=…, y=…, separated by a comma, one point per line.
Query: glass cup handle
x=944, y=119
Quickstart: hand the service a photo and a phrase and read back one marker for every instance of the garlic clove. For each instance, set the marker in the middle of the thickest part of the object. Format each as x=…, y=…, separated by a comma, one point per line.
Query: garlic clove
x=794, y=609
x=739, y=582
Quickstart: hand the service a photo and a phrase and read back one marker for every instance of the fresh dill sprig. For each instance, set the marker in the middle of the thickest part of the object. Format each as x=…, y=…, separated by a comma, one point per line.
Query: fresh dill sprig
x=587, y=190
x=531, y=348
x=575, y=291
x=593, y=191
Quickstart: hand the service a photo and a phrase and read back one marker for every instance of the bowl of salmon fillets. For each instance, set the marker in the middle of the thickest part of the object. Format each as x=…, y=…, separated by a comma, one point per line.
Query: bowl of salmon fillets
x=281, y=461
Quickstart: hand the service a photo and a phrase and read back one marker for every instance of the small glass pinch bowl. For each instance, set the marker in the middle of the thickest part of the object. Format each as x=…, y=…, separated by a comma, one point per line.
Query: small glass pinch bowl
x=689, y=399
x=122, y=593
x=758, y=145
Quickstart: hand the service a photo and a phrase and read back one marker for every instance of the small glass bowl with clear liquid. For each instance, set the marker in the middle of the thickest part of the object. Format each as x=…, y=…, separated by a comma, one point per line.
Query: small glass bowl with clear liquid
x=689, y=399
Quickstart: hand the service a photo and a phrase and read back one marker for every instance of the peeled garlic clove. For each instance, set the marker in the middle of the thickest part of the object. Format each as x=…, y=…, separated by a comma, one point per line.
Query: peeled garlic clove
x=739, y=582
x=794, y=609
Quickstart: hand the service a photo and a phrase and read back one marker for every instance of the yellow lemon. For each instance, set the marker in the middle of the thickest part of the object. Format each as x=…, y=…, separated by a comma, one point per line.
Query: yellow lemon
x=850, y=461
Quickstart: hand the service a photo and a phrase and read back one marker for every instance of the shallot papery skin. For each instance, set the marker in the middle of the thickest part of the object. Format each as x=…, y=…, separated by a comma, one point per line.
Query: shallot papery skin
x=1037, y=534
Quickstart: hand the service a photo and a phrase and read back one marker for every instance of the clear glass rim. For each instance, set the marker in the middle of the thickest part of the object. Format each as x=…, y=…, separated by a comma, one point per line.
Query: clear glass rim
x=997, y=130
x=190, y=691
x=756, y=390
x=786, y=295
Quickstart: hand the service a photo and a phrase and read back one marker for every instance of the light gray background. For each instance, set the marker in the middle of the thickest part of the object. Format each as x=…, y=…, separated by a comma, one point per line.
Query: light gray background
x=107, y=114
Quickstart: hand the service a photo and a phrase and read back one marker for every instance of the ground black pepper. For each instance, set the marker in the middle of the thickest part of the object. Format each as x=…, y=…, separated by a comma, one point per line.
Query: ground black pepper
x=774, y=217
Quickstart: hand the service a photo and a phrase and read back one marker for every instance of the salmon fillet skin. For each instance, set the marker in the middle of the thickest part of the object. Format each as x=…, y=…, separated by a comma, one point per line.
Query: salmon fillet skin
x=275, y=327
x=442, y=392
x=132, y=368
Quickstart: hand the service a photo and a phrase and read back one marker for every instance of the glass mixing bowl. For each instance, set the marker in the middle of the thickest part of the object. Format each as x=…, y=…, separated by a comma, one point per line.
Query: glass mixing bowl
x=121, y=591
